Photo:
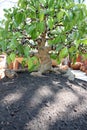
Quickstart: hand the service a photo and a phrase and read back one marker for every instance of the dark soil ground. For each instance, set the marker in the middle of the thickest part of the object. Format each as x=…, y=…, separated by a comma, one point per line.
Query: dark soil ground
x=50, y=102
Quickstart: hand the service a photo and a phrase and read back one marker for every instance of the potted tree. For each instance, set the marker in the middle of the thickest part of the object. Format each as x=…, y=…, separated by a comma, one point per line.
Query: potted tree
x=49, y=27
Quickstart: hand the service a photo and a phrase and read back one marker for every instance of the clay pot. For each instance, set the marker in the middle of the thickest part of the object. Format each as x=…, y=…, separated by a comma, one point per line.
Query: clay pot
x=79, y=58
x=54, y=63
x=64, y=67
x=86, y=72
x=15, y=65
x=82, y=68
x=76, y=66
x=19, y=59
x=85, y=62
x=10, y=66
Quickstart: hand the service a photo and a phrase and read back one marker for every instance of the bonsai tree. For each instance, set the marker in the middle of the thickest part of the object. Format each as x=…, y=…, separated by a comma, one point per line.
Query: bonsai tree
x=53, y=28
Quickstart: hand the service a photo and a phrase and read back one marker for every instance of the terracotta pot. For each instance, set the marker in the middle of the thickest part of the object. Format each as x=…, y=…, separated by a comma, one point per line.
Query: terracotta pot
x=15, y=65
x=19, y=59
x=10, y=66
x=54, y=63
x=86, y=72
x=76, y=66
x=82, y=68
x=64, y=67
x=79, y=58
x=85, y=62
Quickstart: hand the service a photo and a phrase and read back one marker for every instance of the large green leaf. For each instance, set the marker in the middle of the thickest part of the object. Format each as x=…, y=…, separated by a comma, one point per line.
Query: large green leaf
x=50, y=3
x=26, y=51
x=43, y=2
x=63, y=53
x=59, y=47
x=60, y=15
x=12, y=56
x=41, y=15
x=50, y=22
x=3, y=46
x=84, y=41
x=19, y=17
x=32, y=63
x=40, y=27
x=30, y=28
x=22, y=3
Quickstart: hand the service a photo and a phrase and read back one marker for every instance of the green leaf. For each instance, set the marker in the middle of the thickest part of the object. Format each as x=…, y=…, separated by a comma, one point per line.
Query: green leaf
x=60, y=15
x=43, y=2
x=71, y=5
x=59, y=47
x=41, y=27
x=41, y=15
x=53, y=56
x=3, y=33
x=3, y=45
x=50, y=22
x=84, y=41
x=63, y=53
x=72, y=52
x=20, y=49
x=26, y=51
x=12, y=56
x=84, y=56
x=19, y=17
x=50, y=3
x=31, y=28
x=33, y=64
x=13, y=43
x=22, y=3
x=9, y=60
x=32, y=9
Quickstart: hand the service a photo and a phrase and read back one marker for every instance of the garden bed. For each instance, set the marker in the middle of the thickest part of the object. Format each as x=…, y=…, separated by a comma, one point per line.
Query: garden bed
x=50, y=102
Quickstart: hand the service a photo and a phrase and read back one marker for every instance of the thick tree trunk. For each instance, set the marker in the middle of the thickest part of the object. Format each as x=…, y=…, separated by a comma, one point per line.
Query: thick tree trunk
x=43, y=55
x=44, y=58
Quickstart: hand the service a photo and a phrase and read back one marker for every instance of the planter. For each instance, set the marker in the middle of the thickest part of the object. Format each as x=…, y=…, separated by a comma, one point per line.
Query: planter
x=54, y=63
x=79, y=58
x=10, y=66
x=82, y=68
x=86, y=72
x=85, y=62
x=76, y=66
x=16, y=64
x=64, y=67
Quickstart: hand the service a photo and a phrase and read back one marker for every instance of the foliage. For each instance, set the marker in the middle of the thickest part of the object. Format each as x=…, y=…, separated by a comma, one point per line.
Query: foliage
x=63, y=22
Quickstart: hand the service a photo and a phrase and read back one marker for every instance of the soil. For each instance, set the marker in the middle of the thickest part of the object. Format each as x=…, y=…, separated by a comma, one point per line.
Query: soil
x=50, y=102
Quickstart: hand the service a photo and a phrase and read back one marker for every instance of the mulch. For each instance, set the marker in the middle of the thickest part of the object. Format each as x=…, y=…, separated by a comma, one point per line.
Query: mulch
x=50, y=102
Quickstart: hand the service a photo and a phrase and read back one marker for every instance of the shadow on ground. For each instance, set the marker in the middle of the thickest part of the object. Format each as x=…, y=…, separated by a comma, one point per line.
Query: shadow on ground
x=50, y=102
